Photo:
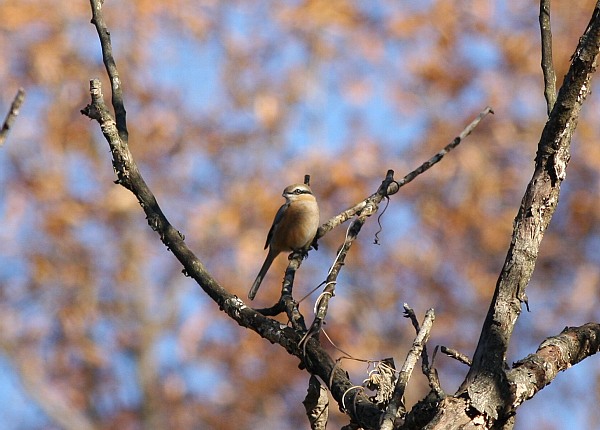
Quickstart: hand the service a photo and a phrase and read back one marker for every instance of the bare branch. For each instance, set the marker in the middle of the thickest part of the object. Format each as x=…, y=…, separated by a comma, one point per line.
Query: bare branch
x=547, y=63
x=357, y=208
x=316, y=404
x=486, y=381
x=12, y=114
x=452, y=353
x=111, y=67
x=388, y=185
x=554, y=355
x=396, y=406
x=438, y=157
x=410, y=314
x=428, y=370
x=315, y=358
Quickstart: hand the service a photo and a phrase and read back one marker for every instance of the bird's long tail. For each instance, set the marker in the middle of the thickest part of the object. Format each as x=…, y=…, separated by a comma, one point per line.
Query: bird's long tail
x=261, y=274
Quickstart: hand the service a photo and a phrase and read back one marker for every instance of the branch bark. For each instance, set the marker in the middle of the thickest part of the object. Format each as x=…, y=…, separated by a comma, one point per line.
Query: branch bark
x=396, y=405
x=554, y=355
x=486, y=385
x=547, y=63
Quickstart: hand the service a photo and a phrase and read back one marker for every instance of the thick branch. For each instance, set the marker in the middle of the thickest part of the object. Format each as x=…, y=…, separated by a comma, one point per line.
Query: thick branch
x=528, y=376
x=316, y=404
x=554, y=355
x=486, y=384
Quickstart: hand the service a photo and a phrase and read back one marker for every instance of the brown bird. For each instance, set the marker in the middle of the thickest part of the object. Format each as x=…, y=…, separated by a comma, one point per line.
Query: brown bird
x=294, y=227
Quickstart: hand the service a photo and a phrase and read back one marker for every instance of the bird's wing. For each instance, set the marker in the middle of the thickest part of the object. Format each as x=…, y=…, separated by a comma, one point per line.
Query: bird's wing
x=277, y=220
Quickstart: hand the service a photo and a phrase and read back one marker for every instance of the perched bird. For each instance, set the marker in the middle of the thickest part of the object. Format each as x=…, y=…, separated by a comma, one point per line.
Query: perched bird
x=294, y=227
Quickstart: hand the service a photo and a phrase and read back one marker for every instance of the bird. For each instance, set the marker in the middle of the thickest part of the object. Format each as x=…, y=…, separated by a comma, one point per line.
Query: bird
x=293, y=229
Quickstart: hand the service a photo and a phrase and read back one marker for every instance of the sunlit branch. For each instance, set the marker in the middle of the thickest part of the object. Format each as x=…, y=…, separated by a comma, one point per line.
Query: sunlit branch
x=357, y=208
x=554, y=355
x=111, y=67
x=459, y=356
x=396, y=405
x=536, y=210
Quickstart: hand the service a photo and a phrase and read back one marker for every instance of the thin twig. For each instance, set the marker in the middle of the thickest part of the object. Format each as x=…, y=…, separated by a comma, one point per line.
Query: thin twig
x=357, y=208
x=547, y=63
x=452, y=353
x=111, y=68
x=396, y=406
x=372, y=206
x=438, y=157
x=12, y=114
x=433, y=378
x=410, y=313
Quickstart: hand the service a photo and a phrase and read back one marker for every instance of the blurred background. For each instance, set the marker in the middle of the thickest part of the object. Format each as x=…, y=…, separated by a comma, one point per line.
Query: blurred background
x=229, y=102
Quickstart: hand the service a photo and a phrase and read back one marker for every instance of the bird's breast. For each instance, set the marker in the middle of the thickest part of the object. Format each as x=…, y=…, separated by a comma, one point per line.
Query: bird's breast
x=298, y=227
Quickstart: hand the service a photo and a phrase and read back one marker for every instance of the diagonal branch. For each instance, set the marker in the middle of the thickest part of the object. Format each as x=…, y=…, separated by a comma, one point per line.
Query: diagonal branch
x=360, y=206
x=486, y=382
x=396, y=406
x=388, y=186
x=12, y=114
x=315, y=358
x=554, y=355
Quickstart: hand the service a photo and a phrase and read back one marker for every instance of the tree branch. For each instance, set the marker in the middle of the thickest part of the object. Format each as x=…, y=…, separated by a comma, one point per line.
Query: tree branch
x=486, y=383
x=388, y=186
x=547, y=63
x=316, y=404
x=12, y=114
x=357, y=208
x=111, y=68
x=554, y=355
x=313, y=356
x=396, y=405
x=316, y=360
